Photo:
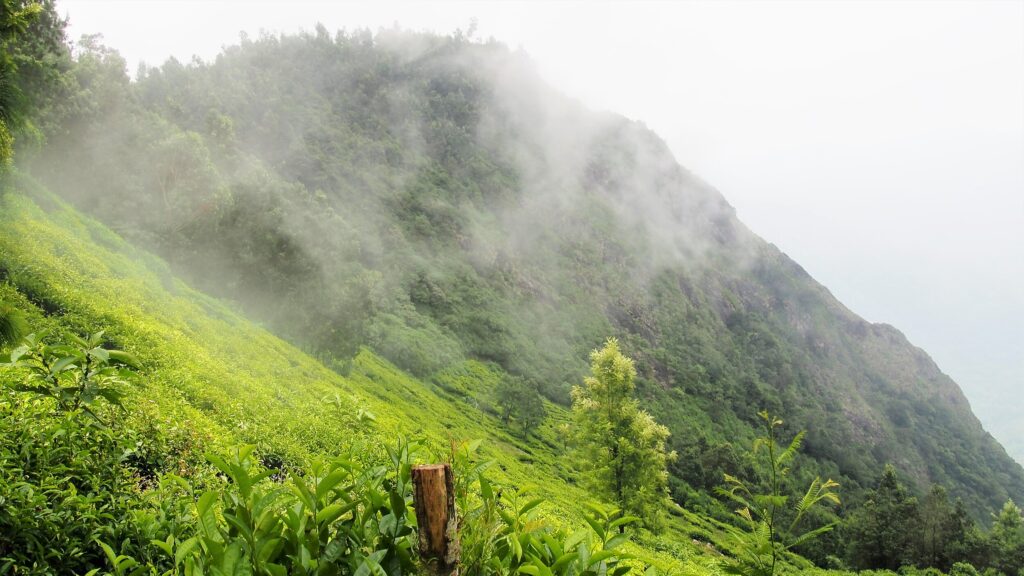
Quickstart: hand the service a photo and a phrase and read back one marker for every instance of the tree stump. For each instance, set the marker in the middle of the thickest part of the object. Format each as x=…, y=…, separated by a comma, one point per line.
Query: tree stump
x=434, y=499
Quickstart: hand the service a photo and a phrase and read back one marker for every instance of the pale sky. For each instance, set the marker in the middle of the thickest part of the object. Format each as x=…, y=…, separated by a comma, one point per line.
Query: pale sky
x=880, y=145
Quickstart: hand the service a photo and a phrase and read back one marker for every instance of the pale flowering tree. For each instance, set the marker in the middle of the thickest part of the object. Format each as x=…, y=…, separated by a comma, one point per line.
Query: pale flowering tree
x=621, y=447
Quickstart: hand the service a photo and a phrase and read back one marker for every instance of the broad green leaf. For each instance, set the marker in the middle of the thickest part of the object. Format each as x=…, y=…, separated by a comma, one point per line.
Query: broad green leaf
x=625, y=520
x=333, y=512
x=616, y=541
x=100, y=354
x=166, y=547
x=109, y=552
x=184, y=549
x=595, y=525
x=530, y=506
x=324, y=487
x=125, y=358
x=63, y=364
x=333, y=550
x=577, y=537
x=563, y=560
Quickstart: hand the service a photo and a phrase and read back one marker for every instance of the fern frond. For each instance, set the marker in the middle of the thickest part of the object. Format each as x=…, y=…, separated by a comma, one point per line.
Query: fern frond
x=734, y=496
x=816, y=492
x=810, y=535
x=790, y=452
x=12, y=326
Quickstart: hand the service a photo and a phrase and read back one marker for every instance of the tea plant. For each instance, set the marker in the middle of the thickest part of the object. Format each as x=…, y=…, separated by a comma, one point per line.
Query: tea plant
x=339, y=517
x=503, y=535
x=335, y=517
x=75, y=373
x=64, y=482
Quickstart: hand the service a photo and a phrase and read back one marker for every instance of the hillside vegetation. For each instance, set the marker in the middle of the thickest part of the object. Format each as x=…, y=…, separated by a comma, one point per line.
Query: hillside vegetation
x=432, y=199
x=212, y=380
x=433, y=241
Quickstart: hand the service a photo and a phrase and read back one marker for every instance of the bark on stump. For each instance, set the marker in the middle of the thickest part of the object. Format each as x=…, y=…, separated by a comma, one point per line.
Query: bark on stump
x=434, y=499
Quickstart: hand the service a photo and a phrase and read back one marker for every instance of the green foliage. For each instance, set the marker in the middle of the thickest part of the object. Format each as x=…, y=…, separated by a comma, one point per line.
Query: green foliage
x=75, y=502
x=945, y=531
x=893, y=528
x=64, y=482
x=75, y=374
x=621, y=447
x=334, y=517
x=421, y=352
x=384, y=196
x=214, y=380
x=385, y=192
x=505, y=535
x=880, y=531
x=13, y=326
x=6, y=139
x=339, y=517
x=767, y=534
x=1007, y=540
x=13, y=20
x=19, y=26
x=963, y=569
x=520, y=400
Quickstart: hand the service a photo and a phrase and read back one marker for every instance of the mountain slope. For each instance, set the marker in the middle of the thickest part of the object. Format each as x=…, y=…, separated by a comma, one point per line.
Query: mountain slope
x=431, y=198
x=212, y=379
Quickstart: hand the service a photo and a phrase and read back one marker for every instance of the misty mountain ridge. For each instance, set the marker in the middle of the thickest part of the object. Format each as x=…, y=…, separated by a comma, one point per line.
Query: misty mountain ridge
x=433, y=199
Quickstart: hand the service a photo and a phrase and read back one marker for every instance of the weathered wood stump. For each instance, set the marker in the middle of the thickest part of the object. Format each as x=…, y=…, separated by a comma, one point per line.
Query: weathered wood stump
x=434, y=499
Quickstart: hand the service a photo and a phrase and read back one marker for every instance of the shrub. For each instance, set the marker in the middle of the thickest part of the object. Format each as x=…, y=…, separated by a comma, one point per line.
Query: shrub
x=963, y=569
x=63, y=483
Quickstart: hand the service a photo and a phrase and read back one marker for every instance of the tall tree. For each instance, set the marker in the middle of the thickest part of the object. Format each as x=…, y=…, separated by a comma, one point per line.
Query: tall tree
x=880, y=530
x=520, y=400
x=1007, y=540
x=942, y=538
x=43, y=58
x=622, y=447
x=15, y=18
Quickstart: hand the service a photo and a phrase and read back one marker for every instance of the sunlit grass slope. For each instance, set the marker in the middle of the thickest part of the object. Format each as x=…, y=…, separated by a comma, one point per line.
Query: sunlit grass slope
x=212, y=379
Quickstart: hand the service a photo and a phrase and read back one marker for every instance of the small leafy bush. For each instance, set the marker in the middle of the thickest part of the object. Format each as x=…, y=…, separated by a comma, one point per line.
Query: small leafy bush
x=334, y=517
x=503, y=535
x=963, y=569
x=66, y=479
x=339, y=517
x=64, y=482
x=74, y=374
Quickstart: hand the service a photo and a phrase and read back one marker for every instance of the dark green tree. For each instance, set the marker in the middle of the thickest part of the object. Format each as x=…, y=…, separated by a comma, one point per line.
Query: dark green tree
x=35, y=79
x=42, y=56
x=944, y=533
x=880, y=531
x=520, y=400
x=15, y=18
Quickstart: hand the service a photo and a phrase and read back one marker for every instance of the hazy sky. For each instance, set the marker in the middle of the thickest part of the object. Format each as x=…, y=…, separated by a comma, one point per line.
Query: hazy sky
x=880, y=145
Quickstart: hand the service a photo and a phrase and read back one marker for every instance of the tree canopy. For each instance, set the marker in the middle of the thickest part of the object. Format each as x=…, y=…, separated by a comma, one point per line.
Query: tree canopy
x=622, y=448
